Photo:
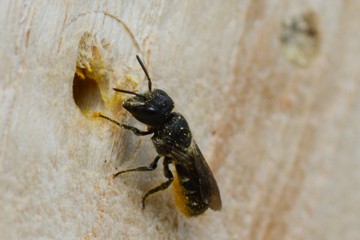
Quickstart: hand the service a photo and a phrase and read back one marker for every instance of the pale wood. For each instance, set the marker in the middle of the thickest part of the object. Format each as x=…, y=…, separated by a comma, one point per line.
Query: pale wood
x=282, y=136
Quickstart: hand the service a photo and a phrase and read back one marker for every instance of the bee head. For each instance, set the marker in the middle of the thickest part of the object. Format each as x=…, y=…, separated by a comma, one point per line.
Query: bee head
x=151, y=108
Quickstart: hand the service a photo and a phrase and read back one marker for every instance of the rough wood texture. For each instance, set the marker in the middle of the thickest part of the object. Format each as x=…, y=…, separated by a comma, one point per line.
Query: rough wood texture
x=270, y=89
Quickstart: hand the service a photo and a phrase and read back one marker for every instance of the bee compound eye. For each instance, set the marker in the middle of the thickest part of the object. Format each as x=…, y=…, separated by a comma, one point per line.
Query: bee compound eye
x=150, y=110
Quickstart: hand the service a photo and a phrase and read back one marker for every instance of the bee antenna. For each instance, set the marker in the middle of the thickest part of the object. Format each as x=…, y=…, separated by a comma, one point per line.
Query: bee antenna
x=128, y=92
x=145, y=71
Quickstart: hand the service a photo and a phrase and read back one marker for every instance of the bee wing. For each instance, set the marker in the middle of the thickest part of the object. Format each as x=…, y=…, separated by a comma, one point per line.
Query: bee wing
x=208, y=187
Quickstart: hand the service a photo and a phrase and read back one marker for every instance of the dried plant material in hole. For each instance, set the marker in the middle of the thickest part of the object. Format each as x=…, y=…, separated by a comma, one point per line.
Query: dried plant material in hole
x=300, y=39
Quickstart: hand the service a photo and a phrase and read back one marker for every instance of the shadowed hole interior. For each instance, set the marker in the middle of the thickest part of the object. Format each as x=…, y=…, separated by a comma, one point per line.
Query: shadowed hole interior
x=86, y=93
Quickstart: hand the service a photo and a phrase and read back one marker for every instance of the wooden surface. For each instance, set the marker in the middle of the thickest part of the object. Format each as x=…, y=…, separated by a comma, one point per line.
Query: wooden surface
x=270, y=89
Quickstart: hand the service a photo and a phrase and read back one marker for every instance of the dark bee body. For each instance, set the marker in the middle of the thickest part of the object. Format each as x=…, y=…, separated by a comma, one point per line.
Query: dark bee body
x=195, y=188
x=173, y=133
x=174, y=140
x=187, y=191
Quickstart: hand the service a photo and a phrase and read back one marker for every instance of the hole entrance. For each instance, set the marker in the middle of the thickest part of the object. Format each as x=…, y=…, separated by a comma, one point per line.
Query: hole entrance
x=87, y=95
x=93, y=73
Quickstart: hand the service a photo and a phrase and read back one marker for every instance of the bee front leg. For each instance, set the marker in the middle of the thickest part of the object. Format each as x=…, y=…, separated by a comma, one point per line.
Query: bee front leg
x=168, y=174
x=137, y=132
x=151, y=167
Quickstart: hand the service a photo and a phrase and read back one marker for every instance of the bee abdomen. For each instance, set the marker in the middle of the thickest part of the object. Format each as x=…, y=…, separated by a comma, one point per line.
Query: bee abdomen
x=187, y=194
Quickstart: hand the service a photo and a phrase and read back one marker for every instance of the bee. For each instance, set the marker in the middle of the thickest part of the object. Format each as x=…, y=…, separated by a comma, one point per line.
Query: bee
x=195, y=188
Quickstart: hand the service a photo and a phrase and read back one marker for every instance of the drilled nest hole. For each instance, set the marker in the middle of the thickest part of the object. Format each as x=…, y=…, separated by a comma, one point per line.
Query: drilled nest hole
x=87, y=96
x=93, y=71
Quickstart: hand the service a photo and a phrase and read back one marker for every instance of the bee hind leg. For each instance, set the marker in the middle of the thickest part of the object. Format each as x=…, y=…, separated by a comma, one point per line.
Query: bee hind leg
x=162, y=186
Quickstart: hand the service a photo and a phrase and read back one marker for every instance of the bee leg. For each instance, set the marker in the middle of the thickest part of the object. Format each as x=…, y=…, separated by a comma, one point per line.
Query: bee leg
x=137, y=132
x=164, y=185
x=151, y=167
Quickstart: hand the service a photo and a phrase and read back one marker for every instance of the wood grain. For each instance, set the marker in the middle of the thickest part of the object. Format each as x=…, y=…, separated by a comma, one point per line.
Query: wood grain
x=270, y=89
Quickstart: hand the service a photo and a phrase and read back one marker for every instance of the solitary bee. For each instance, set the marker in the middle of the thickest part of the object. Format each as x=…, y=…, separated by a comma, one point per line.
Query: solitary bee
x=195, y=187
